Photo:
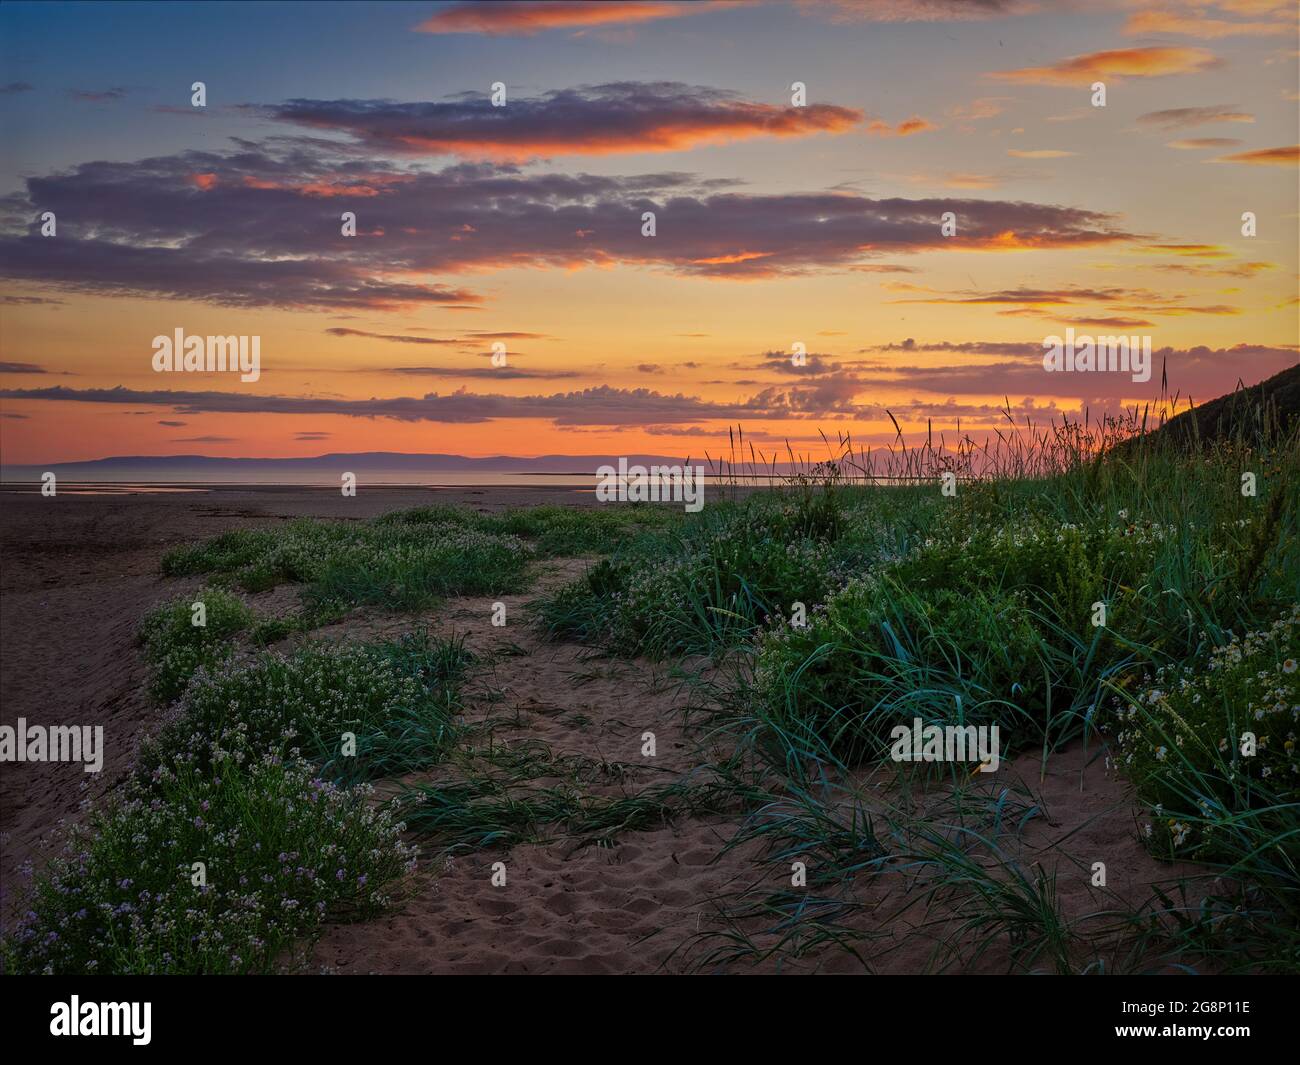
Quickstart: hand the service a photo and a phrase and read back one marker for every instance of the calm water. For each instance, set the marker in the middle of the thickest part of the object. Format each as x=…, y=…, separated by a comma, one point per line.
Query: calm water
x=183, y=480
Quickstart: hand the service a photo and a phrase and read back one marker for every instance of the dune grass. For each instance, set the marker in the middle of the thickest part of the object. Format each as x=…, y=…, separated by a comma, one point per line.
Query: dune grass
x=982, y=607
x=501, y=795
x=409, y=559
x=699, y=587
x=859, y=602
x=395, y=565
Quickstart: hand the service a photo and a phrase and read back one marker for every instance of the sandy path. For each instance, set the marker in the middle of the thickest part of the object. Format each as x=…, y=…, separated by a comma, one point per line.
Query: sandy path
x=623, y=908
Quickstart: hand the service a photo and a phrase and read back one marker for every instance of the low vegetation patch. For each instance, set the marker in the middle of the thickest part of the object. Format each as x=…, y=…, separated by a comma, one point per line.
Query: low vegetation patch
x=411, y=559
x=704, y=586
x=395, y=565
x=188, y=633
x=208, y=871
x=553, y=531
x=359, y=711
x=1212, y=747
x=251, y=776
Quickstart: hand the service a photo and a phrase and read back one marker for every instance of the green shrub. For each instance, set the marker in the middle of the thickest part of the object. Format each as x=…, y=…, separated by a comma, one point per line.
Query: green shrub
x=174, y=647
x=396, y=699
x=555, y=530
x=996, y=620
x=704, y=588
x=878, y=654
x=405, y=572
x=222, y=554
x=397, y=565
x=282, y=852
x=1180, y=739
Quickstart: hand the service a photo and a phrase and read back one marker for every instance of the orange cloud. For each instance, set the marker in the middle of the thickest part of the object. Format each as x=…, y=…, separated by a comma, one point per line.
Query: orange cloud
x=1185, y=117
x=916, y=10
x=1039, y=153
x=981, y=108
x=738, y=257
x=915, y=124
x=1240, y=269
x=1207, y=29
x=1218, y=309
x=1013, y=241
x=950, y=180
x=1286, y=156
x=1116, y=63
x=971, y=181
x=909, y=126
x=328, y=189
x=522, y=18
x=739, y=122
x=1189, y=251
x=1023, y=296
x=594, y=120
x=1192, y=144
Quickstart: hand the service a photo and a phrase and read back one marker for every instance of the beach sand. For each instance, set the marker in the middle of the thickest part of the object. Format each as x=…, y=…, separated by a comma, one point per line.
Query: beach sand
x=79, y=571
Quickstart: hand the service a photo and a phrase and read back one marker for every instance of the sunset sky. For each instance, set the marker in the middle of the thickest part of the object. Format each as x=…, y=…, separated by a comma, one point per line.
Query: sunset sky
x=522, y=224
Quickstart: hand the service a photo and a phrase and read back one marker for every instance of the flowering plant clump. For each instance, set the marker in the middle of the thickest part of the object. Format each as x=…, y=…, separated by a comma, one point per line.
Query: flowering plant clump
x=225, y=846
x=399, y=565
x=303, y=704
x=1206, y=740
x=208, y=873
x=176, y=647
